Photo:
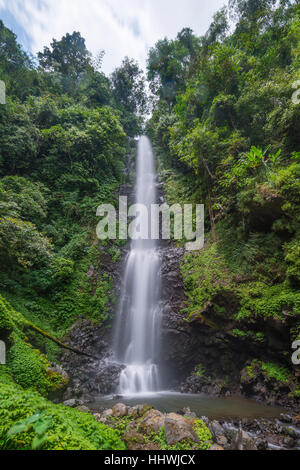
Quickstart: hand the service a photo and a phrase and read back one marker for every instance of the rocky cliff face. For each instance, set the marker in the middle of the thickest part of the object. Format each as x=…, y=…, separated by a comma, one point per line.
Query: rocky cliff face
x=202, y=355
x=185, y=344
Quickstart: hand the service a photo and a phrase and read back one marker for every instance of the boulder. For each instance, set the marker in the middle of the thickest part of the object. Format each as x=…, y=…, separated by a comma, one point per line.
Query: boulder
x=256, y=381
x=179, y=428
x=149, y=446
x=104, y=417
x=218, y=433
x=107, y=413
x=216, y=429
x=120, y=410
x=83, y=409
x=60, y=380
x=222, y=441
x=285, y=418
x=97, y=416
x=73, y=402
x=187, y=413
x=133, y=439
x=289, y=442
x=216, y=447
x=139, y=410
x=152, y=421
x=243, y=441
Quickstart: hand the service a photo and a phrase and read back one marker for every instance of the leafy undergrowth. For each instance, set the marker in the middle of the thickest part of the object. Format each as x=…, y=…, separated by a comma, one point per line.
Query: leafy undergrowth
x=28, y=366
x=262, y=301
x=31, y=369
x=272, y=371
x=208, y=279
x=205, y=276
x=74, y=296
x=27, y=419
x=59, y=427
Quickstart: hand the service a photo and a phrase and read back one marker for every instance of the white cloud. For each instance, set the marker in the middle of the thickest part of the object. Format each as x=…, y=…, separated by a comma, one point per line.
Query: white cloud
x=120, y=27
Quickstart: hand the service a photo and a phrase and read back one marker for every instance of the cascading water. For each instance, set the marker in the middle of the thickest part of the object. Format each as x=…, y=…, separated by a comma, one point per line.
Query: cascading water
x=136, y=336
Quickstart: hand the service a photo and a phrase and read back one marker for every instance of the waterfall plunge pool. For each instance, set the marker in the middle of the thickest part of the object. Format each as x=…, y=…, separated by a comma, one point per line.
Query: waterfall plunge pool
x=202, y=405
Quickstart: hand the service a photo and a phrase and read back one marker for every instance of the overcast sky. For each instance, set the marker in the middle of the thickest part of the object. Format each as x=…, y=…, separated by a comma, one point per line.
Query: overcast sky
x=120, y=27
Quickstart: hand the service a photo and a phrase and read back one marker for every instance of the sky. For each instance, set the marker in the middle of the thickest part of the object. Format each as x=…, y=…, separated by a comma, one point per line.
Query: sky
x=120, y=27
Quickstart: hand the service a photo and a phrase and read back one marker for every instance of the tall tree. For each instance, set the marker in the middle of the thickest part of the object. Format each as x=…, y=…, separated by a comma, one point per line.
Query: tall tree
x=69, y=56
x=218, y=28
x=16, y=67
x=169, y=63
x=129, y=86
x=129, y=91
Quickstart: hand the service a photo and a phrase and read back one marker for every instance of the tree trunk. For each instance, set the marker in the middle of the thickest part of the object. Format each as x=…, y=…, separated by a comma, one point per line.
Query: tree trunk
x=56, y=341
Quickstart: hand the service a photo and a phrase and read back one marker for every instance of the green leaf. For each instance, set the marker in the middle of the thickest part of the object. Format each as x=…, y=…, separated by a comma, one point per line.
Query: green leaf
x=33, y=419
x=38, y=442
x=42, y=426
x=18, y=429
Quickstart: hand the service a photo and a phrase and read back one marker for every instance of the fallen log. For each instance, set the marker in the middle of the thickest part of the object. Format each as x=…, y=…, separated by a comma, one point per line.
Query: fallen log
x=56, y=341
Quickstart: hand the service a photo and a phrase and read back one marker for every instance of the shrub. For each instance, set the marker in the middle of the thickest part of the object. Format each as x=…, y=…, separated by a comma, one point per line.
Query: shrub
x=203, y=434
x=31, y=369
x=63, y=268
x=67, y=429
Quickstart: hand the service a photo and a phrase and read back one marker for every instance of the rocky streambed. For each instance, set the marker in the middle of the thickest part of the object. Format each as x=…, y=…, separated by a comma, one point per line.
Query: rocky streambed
x=143, y=427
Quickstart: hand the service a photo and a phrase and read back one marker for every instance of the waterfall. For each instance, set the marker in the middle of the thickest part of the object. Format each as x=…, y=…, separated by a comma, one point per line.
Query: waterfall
x=136, y=334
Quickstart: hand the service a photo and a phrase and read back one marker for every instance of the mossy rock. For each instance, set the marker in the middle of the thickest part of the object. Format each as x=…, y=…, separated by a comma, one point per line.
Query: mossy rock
x=258, y=300
x=271, y=382
x=269, y=370
x=202, y=441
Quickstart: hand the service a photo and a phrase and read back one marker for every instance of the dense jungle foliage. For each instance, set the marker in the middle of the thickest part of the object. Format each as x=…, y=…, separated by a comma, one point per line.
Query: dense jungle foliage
x=64, y=136
x=65, y=132
x=226, y=129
